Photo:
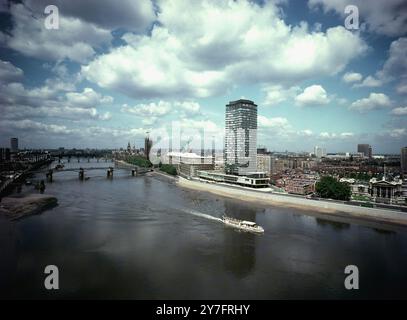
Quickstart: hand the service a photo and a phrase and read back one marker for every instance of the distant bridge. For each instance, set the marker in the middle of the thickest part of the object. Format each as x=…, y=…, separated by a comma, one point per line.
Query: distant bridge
x=135, y=170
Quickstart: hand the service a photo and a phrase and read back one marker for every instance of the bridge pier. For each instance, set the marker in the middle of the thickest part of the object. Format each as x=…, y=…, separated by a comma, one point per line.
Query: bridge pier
x=110, y=173
x=49, y=175
x=81, y=174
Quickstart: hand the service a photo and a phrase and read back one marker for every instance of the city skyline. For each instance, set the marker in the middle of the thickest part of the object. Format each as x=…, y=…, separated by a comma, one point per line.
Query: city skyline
x=102, y=82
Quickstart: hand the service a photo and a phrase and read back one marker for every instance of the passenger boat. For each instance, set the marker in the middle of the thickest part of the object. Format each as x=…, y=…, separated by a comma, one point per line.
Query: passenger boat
x=242, y=224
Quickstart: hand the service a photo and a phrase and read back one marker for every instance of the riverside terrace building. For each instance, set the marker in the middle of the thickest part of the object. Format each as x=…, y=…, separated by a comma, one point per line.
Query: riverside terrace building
x=240, y=137
x=301, y=184
x=251, y=180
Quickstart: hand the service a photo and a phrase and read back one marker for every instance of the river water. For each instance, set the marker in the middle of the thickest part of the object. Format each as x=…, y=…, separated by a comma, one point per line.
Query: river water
x=145, y=238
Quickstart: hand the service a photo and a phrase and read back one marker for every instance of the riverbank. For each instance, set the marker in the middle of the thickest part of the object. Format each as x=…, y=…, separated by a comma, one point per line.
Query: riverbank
x=171, y=177
x=15, y=208
x=326, y=207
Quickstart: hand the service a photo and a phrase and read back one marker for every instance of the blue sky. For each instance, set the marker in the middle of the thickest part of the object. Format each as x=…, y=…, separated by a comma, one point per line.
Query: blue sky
x=111, y=72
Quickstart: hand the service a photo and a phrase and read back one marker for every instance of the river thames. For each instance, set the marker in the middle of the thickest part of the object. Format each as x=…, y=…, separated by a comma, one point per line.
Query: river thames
x=145, y=238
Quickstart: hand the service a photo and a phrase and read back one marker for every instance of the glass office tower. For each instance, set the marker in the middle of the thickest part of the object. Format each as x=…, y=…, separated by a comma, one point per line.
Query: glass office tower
x=240, y=151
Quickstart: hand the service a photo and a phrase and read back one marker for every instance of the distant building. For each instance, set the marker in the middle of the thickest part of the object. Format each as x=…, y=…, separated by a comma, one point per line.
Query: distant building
x=403, y=161
x=240, y=137
x=262, y=150
x=366, y=149
x=4, y=154
x=148, y=143
x=319, y=152
x=14, y=144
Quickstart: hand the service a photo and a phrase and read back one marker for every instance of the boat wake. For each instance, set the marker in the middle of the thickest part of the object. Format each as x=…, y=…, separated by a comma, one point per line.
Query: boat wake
x=231, y=222
x=203, y=215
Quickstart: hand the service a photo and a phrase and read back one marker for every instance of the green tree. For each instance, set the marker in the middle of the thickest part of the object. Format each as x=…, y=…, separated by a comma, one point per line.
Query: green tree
x=329, y=187
x=139, y=161
x=168, y=168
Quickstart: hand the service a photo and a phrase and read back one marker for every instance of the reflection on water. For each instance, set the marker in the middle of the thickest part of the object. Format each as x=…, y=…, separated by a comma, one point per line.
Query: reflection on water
x=334, y=224
x=239, y=246
x=146, y=238
x=383, y=231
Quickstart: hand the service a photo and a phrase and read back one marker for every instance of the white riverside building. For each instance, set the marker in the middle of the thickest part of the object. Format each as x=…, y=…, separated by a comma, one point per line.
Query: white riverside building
x=240, y=153
x=251, y=180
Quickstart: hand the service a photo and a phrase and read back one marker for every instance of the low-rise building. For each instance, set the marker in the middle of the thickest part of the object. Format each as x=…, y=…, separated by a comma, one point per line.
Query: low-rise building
x=264, y=162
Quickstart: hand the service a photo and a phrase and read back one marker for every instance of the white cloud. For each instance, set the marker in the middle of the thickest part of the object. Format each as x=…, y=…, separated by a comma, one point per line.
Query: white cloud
x=132, y=15
x=35, y=126
x=9, y=72
x=350, y=77
x=305, y=133
x=402, y=88
x=276, y=122
x=278, y=126
x=382, y=17
x=346, y=135
x=54, y=110
x=398, y=132
x=332, y=135
x=51, y=101
x=87, y=98
x=326, y=135
x=394, y=68
x=312, y=96
x=396, y=64
x=207, y=125
x=401, y=111
x=276, y=94
x=152, y=109
x=74, y=40
x=374, y=101
x=201, y=48
x=188, y=108
x=370, y=82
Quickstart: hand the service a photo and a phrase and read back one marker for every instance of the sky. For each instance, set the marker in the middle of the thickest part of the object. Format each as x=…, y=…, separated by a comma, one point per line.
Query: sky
x=112, y=71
